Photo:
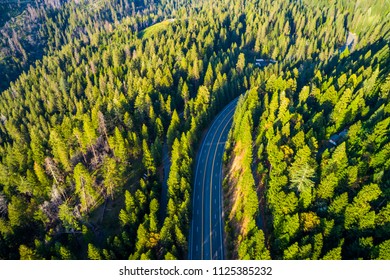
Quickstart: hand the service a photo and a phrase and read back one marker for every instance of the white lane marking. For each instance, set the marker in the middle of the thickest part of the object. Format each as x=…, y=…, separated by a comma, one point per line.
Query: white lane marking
x=213, y=232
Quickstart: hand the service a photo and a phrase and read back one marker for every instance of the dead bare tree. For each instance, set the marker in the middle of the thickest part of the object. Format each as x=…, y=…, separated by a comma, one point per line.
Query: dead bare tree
x=3, y=205
x=52, y=169
x=102, y=126
x=50, y=210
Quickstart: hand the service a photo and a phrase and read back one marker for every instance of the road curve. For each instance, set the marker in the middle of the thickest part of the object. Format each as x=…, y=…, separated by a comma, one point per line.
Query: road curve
x=206, y=232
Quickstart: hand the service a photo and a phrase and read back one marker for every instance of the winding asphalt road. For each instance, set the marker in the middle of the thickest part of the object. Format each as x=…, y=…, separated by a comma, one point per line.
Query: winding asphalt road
x=206, y=233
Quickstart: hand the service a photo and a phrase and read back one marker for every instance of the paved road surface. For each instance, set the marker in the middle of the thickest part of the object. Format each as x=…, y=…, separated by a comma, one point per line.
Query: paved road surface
x=206, y=233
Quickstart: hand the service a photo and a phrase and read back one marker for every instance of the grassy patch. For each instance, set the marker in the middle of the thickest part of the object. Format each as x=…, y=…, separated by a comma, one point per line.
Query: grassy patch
x=155, y=29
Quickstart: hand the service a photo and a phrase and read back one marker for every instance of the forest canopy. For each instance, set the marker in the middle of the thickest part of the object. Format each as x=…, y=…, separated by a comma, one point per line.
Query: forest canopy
x=96, y=95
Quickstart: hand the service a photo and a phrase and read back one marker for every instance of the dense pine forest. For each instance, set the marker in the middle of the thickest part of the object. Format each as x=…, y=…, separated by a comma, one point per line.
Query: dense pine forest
x=96, y=97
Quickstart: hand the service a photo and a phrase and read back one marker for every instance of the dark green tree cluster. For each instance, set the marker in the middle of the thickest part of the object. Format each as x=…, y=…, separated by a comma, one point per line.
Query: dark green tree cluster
x=246, y=240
